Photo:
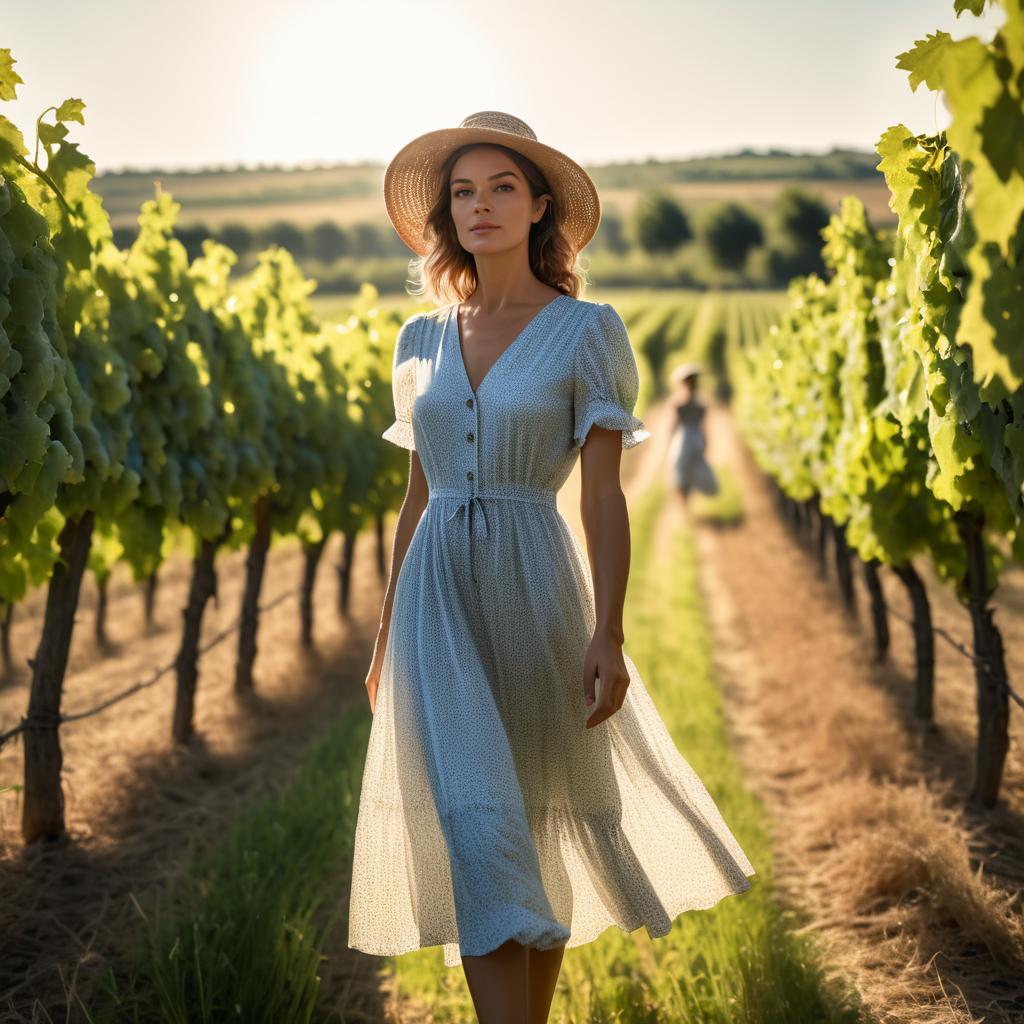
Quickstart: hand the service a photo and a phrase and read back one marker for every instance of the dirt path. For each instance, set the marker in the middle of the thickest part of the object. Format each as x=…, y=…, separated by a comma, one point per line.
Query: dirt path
x=136, y=806
x=865, y=803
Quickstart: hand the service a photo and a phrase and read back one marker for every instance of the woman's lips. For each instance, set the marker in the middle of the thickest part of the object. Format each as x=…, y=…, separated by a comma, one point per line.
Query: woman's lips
x=483, y=231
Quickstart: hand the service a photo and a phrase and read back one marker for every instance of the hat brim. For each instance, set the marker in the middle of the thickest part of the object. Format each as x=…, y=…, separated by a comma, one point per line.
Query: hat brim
x=686, y=370
x=410, y=182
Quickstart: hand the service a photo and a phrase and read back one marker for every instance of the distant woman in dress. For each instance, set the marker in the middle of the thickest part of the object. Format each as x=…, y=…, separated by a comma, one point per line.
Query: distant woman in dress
x=690, y=469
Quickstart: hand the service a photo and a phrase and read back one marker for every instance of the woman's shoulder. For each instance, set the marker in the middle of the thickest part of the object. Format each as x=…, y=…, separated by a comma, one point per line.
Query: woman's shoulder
x=598, y=316
x=419, y=329
x=604, y=321
x=599, y=327
x=597, y=309
x=582, y=327
x=428, y=317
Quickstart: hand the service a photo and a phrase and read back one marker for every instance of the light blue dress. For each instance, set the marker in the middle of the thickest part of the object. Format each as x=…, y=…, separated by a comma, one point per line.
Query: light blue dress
x=691, y=469
x=488, y=811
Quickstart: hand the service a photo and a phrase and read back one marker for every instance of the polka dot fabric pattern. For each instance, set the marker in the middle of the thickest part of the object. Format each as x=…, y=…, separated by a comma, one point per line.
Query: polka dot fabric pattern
x=487, y=810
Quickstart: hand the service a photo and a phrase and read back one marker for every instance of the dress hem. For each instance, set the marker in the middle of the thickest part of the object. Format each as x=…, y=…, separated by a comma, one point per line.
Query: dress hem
x=574, y=940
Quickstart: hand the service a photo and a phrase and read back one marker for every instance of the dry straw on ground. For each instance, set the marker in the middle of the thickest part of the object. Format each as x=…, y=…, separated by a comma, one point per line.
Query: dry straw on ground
x=871, y=838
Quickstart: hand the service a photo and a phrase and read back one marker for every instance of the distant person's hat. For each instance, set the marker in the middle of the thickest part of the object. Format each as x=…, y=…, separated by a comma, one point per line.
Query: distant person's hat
x=410, y=181
x=684, y=371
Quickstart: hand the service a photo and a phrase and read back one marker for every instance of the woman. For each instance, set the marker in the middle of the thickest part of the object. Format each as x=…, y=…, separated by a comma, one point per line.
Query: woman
x=520, y=791
x=690, y=468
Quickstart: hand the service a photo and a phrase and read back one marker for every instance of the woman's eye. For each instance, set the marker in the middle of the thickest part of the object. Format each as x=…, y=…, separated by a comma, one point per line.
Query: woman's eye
x=459, y=191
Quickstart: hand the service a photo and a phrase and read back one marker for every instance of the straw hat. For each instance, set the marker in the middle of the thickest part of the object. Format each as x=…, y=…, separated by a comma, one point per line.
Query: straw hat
x=686, y=370
x=410, y=181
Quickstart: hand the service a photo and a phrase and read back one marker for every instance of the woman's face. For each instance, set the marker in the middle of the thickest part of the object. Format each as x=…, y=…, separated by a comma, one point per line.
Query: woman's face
x=486, y=185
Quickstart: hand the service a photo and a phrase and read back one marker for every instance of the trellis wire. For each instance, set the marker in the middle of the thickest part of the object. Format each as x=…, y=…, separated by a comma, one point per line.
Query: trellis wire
x=51, y=721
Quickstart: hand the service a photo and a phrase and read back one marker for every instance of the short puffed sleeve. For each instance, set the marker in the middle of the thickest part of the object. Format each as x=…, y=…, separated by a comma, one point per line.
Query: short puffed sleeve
x=403, y=386
x=605, y=379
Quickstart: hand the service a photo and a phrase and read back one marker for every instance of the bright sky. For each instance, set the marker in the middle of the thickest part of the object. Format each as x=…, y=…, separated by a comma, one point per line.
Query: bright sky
x=306, y=81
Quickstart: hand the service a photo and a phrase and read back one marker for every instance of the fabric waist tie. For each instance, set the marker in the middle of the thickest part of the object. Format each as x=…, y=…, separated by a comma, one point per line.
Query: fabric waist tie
x=476, y=521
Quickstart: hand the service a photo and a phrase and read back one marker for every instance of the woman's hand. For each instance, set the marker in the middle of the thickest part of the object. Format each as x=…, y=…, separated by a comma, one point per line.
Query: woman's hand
x=373, y=675
x=604, y=658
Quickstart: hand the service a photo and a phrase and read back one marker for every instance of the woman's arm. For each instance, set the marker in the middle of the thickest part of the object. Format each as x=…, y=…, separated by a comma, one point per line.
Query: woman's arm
x=413, y=504
x=606, y=525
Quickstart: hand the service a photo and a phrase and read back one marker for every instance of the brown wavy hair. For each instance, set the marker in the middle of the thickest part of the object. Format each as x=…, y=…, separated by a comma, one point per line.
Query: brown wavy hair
x=447, y=274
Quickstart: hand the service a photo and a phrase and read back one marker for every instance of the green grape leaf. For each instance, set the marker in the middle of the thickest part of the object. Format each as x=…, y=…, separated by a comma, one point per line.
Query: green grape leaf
x=71, y=110
x=24, y=227
x=1013, y=438
x=71, y=171
x=916, y=401
x=974, y=6
x=9, y=78
x=896, y=147
x=996, y=208
x=951, y=194
x=924, y=61
x=12, y=142
x=1002, y=133
x=952, y=449
x=37, y=499
x=993, y=322
x=23, y=439
x=1012, y=36
x=971, y=85
x=51, y=134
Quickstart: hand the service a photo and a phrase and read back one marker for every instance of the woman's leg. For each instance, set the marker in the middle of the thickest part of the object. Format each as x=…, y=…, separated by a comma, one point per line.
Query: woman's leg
x=543, y=976
x=498, y=984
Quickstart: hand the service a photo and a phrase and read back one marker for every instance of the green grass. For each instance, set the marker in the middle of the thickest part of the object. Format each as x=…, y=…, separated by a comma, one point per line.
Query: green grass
x=237, y=939
x=726, y=507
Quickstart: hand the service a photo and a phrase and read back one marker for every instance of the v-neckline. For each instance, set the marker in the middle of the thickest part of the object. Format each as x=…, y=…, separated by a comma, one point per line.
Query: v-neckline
x=515, y=341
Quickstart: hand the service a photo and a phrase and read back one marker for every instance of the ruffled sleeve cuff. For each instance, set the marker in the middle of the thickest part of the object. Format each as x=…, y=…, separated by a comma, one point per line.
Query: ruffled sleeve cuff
x=607, y=414
x=606, y=380
x=400, y=433
x=403, y=386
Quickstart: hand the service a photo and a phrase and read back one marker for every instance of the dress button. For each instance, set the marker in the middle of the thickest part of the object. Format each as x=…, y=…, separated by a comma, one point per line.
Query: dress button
x=469, y=474
x=469, y=403
x=469, y=436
